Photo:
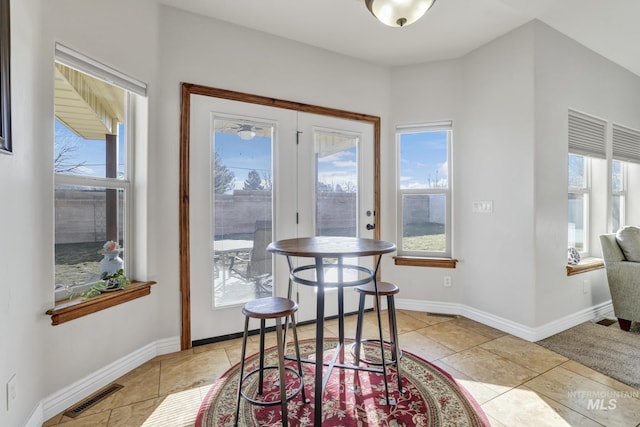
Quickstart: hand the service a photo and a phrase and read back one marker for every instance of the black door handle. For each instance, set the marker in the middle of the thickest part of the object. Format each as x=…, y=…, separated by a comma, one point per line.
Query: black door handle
x=371, y=226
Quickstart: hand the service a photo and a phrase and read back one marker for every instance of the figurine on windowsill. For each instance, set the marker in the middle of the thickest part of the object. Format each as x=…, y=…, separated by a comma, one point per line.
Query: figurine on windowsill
x=111, y=261
x=112, y=276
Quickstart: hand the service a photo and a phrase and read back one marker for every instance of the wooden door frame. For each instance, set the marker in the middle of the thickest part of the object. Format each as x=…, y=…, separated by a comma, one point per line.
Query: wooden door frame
x=189, y=89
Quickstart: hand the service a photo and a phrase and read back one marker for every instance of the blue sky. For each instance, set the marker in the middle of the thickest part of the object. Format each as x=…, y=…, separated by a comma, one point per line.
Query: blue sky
x=417, y=170
x=339, y=168
x=89, y=153
x=240, y=156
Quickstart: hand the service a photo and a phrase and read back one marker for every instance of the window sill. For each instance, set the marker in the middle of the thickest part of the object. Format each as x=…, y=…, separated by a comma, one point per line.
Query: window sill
x=425, y=262
x=71, y=309
x=587, y=264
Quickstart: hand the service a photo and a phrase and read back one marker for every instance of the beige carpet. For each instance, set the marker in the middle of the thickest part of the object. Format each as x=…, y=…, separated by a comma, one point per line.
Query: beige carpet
x=606, y=349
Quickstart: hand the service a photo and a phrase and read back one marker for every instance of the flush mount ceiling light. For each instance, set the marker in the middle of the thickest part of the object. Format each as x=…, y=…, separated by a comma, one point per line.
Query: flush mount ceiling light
x=246, y=132
x=398, y=13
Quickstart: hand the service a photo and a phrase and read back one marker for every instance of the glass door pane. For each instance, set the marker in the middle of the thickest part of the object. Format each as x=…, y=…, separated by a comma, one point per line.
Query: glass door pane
x=336, y=184
x=242, y=210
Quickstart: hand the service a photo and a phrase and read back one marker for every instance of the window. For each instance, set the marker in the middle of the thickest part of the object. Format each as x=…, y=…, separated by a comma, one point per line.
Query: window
x=424, y=190
x=626, y=156
x=587, y=142
x=93, y=167
x=578, y=202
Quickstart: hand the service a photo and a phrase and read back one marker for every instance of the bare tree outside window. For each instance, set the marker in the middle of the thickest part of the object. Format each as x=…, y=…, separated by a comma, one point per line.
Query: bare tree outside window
x=65, y=160
x=224, y=179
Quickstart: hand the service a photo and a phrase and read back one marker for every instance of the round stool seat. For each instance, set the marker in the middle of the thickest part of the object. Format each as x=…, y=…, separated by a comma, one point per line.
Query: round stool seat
x=269, y=308
x=384, y=289
x=263, y=309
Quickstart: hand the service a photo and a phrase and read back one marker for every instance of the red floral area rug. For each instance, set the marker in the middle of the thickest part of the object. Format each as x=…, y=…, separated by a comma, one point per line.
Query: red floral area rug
x=351, y=398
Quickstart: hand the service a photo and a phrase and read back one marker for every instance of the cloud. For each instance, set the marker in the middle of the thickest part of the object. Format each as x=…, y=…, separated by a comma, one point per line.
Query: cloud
x=345, y=164
x=340, y=155
x=83, y=170
x=416, y=185
x=443, y=169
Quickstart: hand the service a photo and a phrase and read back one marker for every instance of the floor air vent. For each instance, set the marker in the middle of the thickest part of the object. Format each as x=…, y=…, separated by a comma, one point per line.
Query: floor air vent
x=606, y=322
x=89, y=402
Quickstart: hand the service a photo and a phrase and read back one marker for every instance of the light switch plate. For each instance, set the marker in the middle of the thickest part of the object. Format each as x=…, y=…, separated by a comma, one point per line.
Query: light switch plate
x=482, y=206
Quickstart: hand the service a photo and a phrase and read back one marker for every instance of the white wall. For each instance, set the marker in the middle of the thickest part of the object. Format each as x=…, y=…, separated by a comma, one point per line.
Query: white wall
x=489, y=96
x=495, y=163
x=570, y=76
x=508, y=101
x=25, y=242
x=45, y=358
x=419, y=94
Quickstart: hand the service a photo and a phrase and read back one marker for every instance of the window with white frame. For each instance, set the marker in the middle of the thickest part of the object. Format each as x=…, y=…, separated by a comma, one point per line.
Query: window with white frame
x=93, y=167
x=587, y=142
x=603, y=167
x=578, y=198
x=424, y=190
x=625, y=150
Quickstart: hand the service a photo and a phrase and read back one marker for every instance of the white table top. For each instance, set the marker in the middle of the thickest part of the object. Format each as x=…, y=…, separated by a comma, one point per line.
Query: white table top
x=228, y=245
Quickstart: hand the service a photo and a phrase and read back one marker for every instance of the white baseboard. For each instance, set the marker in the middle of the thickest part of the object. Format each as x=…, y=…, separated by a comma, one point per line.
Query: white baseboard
x=74, y=393
x=598, y=311
x=36, y=419
x=528, y=333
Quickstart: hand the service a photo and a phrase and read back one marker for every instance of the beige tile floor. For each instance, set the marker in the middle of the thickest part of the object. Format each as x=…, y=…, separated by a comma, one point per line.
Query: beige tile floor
x=518, y=383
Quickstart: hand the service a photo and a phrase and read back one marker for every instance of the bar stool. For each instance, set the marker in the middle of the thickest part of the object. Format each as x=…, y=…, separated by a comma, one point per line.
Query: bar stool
x=384, y=289
x=270, y=308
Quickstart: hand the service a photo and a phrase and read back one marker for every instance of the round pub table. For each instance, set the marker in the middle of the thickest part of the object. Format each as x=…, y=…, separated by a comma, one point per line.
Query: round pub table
x=329, y=253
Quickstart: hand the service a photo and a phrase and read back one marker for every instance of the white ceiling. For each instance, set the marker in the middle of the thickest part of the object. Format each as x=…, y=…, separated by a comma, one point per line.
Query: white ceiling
x=450, y=29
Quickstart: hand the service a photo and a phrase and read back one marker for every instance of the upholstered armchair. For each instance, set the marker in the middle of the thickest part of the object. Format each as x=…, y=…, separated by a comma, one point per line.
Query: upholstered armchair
x=621, y=253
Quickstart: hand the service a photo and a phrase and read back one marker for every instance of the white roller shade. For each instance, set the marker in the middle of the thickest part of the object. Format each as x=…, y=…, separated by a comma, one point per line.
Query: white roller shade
x=78, y=61
x=431, y=127
x=587, y=135
x=626, y=144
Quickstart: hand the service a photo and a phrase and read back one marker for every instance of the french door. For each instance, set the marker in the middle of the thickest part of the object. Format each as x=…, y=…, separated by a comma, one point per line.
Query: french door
x=334, y=195
x=257, y=174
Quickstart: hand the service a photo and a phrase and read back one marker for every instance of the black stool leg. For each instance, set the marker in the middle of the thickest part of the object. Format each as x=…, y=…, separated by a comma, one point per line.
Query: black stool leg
x=297, y=346
x=261, y=374
x=244, y=350
x=283, y=383
x=393, y=332
x=359, y=329
x=376, y=304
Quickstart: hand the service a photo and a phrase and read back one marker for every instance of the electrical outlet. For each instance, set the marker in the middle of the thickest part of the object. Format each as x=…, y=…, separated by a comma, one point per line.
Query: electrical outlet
x=11, y=391
x=447, y=281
